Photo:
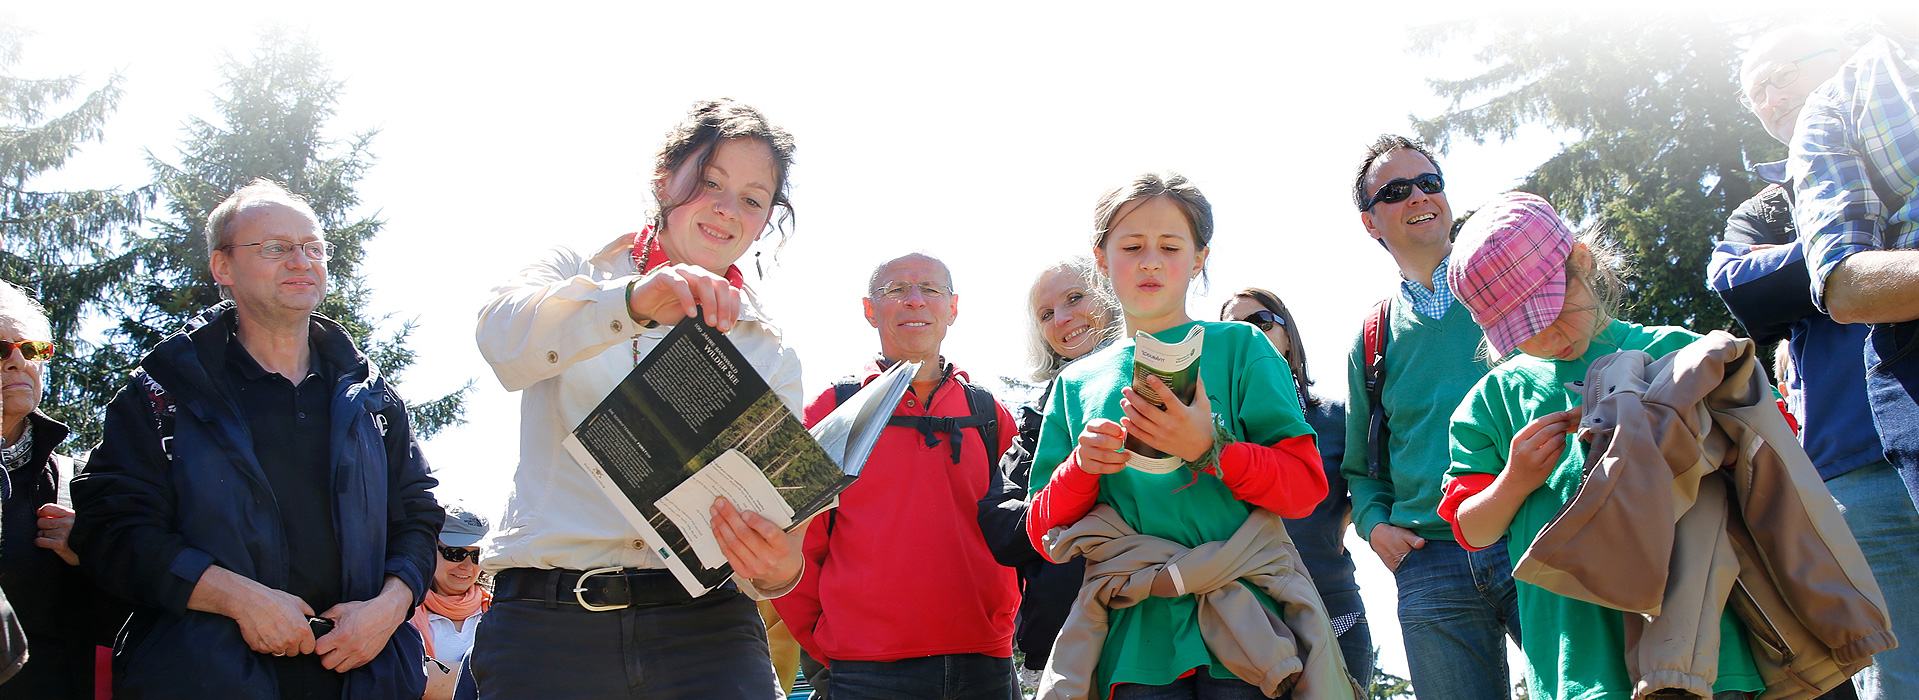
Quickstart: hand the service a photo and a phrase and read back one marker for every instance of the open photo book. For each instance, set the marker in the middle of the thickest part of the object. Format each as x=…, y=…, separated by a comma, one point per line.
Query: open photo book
x=695, y=422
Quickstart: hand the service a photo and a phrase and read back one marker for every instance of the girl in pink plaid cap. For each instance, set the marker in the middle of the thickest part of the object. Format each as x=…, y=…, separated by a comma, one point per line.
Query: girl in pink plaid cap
x=1537, y=290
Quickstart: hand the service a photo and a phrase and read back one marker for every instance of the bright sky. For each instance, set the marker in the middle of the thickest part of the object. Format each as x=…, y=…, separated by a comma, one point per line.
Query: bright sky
x=981, y=132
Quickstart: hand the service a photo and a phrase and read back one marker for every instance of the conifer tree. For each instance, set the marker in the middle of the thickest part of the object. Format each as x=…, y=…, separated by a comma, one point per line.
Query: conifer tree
x=1660, y=143
x=69, y=249
x=271, y=124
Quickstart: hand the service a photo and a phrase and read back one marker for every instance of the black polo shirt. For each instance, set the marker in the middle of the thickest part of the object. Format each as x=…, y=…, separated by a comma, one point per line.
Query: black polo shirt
x=291, y=428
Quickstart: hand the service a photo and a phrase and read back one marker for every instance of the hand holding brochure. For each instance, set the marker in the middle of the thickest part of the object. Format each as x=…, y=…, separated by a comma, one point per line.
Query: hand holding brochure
x=695, y=422
x=1175, y=364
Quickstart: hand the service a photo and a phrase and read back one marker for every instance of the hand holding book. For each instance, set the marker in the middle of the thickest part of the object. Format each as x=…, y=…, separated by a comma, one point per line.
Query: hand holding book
x=672, y=293
x=1181, y=430
x=758, y=549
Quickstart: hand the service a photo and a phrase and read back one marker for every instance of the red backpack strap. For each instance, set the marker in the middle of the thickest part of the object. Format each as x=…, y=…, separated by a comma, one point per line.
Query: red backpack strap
x=1374, y=337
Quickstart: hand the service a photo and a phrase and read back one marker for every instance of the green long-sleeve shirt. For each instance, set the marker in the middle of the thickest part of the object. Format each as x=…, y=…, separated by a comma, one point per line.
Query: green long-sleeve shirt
x=1431, y=364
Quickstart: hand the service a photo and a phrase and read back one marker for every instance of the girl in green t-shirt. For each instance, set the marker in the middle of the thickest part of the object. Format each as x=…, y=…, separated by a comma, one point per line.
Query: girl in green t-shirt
x=1534, y=289
x=1243, y=438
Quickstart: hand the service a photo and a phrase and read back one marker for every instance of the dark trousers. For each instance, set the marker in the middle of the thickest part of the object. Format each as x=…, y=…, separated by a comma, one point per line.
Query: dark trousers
x=948, y=677
x=1356, y=643
x=712, y=647
x=1892, y=380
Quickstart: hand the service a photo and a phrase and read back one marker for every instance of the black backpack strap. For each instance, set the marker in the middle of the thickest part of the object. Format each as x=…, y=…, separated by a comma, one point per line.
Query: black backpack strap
x=984, y=406
x=163, y=411
x=1377, y=332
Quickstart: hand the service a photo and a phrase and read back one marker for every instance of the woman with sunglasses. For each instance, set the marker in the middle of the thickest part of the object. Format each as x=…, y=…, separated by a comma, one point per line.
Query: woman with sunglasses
x=65, y=616
x=454, y=602
x=1320, y=536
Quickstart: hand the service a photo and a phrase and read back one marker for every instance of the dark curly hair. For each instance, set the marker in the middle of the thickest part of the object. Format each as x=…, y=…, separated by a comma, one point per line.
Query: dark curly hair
x=709, y=123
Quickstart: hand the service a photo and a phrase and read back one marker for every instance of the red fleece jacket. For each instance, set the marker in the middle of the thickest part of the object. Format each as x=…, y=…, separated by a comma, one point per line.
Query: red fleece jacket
x=1286, y=479
x=904, y=571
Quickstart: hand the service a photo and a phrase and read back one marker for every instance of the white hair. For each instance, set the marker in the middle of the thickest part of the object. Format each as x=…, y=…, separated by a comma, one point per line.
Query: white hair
x=22, y=308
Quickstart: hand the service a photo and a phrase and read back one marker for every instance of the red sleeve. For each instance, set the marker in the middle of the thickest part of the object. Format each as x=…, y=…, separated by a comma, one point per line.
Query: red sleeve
x=1456, y=491
x=1068, y=496
x=1286, y=478
x=800, y=607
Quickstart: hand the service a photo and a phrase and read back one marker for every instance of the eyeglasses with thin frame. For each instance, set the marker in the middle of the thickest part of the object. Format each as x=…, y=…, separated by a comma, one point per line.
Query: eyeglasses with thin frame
x=277, y=249
x=1399, y=189
x=897, y=291
x=30, y=350
x=455, y=555
x=1784, y=74
x=1264, y=320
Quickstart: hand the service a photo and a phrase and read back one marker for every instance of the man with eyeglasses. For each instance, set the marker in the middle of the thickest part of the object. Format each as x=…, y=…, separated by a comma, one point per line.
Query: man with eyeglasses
x=900, y=596
x=1759, y=270
x=1455, y=604
x=257, y=493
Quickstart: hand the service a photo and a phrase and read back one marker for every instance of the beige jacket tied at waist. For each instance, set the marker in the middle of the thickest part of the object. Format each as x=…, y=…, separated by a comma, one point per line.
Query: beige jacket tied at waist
x=1298, y=653
x=1697, y=495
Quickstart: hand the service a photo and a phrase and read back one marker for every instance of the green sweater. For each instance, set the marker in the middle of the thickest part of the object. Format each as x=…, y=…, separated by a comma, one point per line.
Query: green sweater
x=1430, y=366
x=1575, y=650
x=1252, y=395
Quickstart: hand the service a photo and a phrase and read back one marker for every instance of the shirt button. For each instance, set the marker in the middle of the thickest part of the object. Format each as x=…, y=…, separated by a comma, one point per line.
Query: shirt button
x=616, y=326
x=552, y=358
x=303, y=415
x=639, y=544
x=909, y=402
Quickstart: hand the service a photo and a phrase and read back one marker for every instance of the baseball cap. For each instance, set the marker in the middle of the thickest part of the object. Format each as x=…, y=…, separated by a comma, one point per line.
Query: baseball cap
x=1509, y=268
x=464, y=528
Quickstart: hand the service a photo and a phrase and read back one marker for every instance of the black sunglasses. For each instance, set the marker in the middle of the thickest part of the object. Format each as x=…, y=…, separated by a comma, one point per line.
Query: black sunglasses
x=1264, y=320
x=1398, y=190
x=455, y=555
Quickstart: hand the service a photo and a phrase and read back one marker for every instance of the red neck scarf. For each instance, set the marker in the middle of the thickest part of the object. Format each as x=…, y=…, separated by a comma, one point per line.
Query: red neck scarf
x=649, y=256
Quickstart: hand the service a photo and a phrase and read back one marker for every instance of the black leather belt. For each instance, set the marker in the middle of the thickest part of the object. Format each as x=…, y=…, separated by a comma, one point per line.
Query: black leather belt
x=611, y=588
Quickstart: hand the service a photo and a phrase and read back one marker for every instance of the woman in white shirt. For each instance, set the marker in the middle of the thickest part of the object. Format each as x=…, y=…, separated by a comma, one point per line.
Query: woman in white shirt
x=563, y=333
x=450, y=614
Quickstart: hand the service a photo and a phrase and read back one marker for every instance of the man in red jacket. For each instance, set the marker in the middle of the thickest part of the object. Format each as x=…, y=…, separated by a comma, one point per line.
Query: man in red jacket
x=901, y=596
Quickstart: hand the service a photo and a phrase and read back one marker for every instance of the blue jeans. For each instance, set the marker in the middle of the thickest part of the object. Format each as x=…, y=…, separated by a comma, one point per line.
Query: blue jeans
x=1892, y=379
x=712, y=647
x=949, y=677
x=1883, y=520
x=1454, y=608
x=1199, y=686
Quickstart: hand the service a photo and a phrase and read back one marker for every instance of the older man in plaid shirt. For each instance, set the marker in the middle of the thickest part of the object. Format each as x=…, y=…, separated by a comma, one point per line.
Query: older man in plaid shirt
x=1855, y=167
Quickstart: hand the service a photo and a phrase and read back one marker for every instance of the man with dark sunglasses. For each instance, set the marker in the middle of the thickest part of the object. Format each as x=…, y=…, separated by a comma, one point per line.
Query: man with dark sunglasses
x=257, y=473
x=1759, y=270
x=1455, y=605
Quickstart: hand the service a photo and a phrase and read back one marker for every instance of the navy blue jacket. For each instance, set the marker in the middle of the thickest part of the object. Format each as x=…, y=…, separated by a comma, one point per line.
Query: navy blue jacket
x=150, y=525
x=1768, y=291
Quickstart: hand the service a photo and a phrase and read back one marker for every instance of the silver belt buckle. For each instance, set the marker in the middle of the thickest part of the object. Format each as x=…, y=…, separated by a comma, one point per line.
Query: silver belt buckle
x=579, y=589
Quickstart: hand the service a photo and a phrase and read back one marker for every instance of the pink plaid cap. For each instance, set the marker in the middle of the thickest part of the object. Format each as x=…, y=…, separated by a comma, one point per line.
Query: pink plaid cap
x=1509, y=268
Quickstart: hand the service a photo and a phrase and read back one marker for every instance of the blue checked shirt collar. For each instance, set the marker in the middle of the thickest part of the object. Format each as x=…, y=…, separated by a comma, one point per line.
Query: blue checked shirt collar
x=1431, y=304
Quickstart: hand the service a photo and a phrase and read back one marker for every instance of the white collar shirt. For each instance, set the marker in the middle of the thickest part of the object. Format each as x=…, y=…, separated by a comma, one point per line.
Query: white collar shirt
x=559, y=333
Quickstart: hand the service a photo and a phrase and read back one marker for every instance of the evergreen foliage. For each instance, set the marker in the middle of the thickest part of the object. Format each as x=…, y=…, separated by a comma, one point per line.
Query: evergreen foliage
x=1387, y=686
x=1659, y=141
x=270, y=125
x=69, y=249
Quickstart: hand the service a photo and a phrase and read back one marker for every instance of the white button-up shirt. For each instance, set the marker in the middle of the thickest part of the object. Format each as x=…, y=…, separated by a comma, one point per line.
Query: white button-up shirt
x=559, y=334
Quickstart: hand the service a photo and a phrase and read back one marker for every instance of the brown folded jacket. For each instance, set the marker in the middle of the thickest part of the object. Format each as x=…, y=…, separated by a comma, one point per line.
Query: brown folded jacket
x=1693, y=474
x=1297, y=651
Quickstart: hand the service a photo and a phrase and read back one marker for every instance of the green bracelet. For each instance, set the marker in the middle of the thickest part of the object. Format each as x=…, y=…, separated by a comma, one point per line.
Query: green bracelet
x=1221, y=438
x=644, y=322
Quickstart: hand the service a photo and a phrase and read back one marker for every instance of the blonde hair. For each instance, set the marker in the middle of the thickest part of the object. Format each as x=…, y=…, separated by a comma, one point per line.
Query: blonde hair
x=1040, y=357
